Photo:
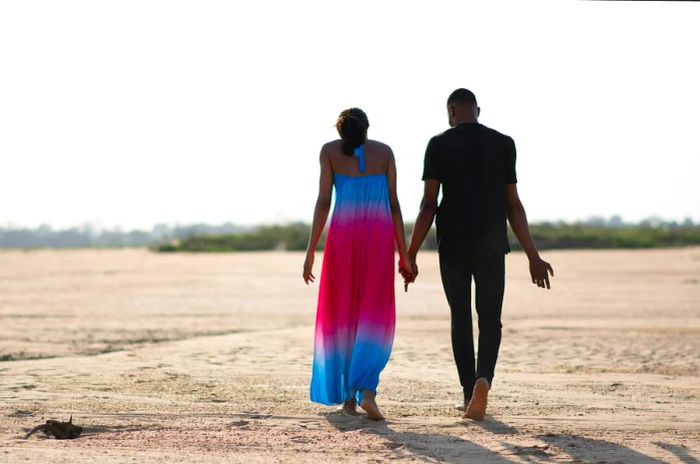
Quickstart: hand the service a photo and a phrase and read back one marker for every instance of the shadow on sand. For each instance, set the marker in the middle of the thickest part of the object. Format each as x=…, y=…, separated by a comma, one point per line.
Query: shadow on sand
x=425, y=446
x=453, y=449
x=589, y=450
x=580, y=448
x=101, y=430
x=680, y=452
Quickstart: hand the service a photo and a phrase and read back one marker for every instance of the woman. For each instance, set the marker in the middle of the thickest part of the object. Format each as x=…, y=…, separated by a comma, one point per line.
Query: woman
x=356, y=307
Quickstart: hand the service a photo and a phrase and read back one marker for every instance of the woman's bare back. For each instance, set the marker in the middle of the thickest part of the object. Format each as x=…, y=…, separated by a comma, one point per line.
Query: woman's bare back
x=377, y=158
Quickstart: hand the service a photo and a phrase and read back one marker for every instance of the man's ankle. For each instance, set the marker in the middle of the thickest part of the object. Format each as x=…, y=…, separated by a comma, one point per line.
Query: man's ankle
x=467, y=395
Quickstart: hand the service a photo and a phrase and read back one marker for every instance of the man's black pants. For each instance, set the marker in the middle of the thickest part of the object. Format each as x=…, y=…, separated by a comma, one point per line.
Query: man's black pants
x=488, y=269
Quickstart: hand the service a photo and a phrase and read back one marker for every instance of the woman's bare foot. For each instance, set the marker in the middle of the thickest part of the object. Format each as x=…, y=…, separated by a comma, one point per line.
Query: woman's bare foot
x=350, y=407
x=370, y=406
x=476, y=409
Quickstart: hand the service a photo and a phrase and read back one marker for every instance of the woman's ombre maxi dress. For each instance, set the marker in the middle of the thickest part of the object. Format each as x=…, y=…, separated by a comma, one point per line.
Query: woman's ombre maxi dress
x=356, y=307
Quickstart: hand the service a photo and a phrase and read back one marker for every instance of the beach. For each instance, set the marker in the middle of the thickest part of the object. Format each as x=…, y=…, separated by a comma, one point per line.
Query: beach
x=206, y=358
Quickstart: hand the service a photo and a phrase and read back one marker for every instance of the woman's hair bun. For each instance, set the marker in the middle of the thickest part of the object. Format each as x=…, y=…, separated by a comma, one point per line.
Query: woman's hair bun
x=352, y=126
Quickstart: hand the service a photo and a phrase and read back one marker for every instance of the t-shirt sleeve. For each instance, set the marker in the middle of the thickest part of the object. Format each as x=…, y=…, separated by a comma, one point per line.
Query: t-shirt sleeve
x=511, y=177
x=431, y=164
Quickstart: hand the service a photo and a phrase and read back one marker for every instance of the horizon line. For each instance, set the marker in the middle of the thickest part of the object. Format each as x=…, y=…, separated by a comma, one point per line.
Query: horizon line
x=100, y=226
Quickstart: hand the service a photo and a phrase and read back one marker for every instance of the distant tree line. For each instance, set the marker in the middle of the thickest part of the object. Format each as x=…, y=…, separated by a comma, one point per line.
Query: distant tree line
x=88, y=236
x=562, y=236
x=594, y=233
x=294, y=237
x=290, y=237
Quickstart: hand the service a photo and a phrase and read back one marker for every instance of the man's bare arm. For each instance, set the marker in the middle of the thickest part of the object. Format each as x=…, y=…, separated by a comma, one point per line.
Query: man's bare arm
x=539, y=269
x=426, y=215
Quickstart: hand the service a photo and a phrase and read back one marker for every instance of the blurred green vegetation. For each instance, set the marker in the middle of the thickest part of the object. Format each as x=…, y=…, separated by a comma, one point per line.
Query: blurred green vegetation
x=547, y=236
x=290, y=237
x=577, y=236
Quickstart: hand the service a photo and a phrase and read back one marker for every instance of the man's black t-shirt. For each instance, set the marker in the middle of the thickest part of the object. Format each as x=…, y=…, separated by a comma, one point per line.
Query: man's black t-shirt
x=473, y=164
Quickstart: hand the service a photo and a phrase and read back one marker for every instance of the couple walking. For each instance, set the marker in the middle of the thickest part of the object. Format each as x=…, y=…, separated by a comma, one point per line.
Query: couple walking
x=475, y=166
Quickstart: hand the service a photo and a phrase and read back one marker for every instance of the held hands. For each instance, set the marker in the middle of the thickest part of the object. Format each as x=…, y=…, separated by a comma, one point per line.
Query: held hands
x=539, y=271
x=408, y=270
x=308, y=267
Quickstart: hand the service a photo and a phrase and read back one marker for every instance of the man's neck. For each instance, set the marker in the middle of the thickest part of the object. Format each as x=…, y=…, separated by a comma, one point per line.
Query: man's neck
x=457, y=122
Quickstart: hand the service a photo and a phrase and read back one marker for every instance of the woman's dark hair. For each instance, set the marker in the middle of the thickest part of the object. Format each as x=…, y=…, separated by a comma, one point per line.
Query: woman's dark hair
x=352, y=126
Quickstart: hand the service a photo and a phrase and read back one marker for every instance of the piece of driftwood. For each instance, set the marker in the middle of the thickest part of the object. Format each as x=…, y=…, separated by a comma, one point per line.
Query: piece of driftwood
x=57, y=429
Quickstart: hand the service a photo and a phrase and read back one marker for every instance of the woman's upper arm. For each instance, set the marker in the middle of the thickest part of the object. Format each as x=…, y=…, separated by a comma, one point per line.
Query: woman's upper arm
x=325, y=188
x=391, y=178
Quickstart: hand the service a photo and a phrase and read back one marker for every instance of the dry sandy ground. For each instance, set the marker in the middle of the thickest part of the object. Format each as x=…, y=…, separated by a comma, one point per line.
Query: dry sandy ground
x=206, y=358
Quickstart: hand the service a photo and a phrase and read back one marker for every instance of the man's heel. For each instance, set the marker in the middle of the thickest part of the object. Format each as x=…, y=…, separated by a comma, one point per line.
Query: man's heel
x=476, y=410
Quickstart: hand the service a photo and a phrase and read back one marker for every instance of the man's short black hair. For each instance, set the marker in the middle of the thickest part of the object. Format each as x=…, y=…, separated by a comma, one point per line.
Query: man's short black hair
x=461, y=96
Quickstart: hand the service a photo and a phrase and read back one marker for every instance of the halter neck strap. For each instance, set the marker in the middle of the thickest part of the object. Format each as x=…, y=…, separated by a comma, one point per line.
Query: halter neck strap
x=360, y=155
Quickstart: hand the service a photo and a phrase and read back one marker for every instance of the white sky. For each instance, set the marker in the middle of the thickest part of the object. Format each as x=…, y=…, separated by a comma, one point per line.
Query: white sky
x=137, y=112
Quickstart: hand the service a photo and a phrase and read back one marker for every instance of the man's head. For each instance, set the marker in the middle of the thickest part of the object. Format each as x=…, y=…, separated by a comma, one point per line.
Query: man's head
x=462, y=107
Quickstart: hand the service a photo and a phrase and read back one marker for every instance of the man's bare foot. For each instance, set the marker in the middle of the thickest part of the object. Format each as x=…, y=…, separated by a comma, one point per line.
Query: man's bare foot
x=370, y=407
x=476, y=410
x=349, y=407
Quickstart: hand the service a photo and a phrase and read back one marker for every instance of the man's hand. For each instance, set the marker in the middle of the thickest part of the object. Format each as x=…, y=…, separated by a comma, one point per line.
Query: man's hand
x=408, y=270
x=412, y=268
x=415, y=269
x=539, y=271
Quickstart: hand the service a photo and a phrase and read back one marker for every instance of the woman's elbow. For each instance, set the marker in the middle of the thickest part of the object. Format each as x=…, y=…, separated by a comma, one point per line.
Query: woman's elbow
x=323, y=203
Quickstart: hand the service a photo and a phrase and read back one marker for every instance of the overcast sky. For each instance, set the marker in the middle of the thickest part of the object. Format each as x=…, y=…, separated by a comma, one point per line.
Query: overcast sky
x=136, y=112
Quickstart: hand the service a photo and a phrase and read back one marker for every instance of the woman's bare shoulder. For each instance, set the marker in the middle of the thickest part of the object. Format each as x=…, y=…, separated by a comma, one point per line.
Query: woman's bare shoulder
x=330, y=149
x=380, y=148
x=333, y=145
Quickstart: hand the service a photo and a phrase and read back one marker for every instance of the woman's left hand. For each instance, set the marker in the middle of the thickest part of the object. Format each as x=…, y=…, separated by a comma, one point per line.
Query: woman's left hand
x=308, y=267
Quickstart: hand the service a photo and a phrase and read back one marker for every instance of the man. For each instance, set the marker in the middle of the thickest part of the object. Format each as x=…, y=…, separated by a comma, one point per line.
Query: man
x=475, y=166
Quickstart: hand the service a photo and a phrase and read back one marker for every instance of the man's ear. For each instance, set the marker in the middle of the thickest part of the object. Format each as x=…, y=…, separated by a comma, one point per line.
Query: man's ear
x=478, y=111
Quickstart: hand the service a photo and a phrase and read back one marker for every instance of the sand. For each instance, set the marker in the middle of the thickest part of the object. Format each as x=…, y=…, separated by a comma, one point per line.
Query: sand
x=206, y=358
